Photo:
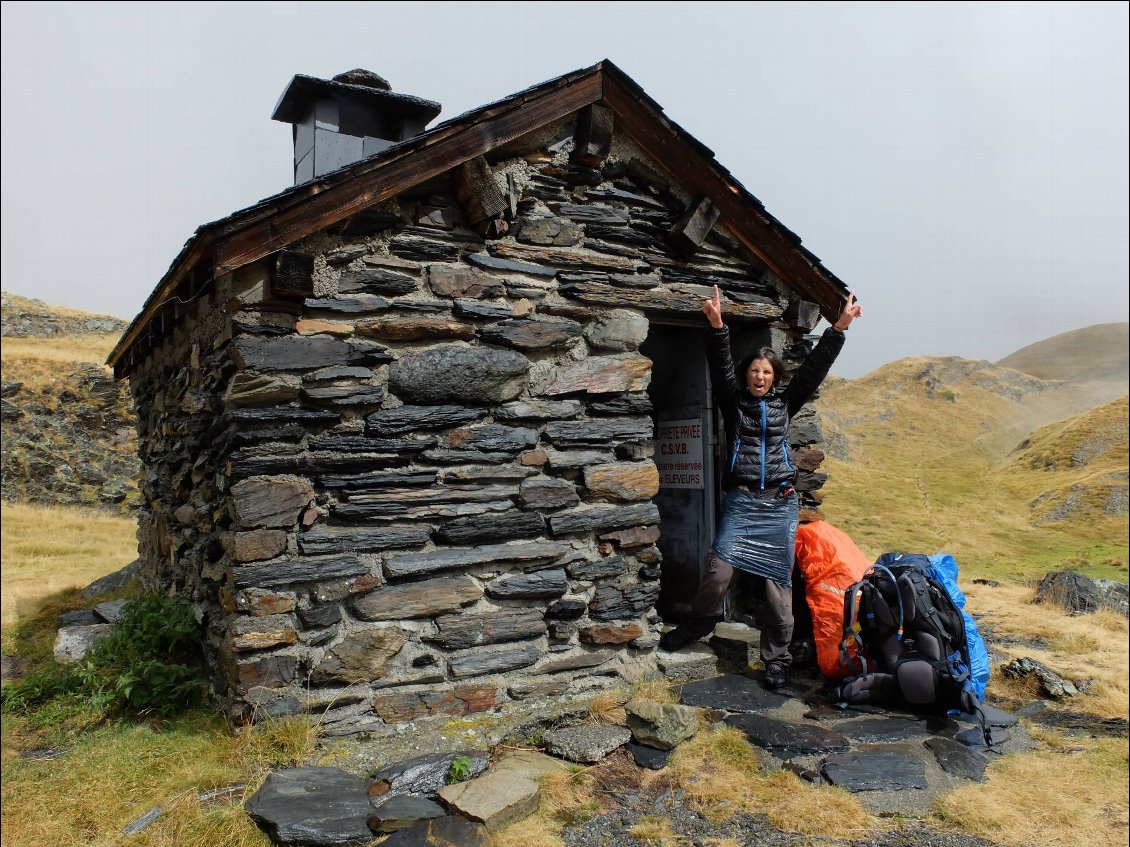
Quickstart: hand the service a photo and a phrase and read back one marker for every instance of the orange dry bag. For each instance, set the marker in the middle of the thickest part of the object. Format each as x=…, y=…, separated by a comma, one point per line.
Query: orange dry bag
x=830, y=563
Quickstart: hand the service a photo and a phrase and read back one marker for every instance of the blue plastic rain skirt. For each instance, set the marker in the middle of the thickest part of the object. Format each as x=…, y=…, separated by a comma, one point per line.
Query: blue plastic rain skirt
x=944, y=569
x=758, y=534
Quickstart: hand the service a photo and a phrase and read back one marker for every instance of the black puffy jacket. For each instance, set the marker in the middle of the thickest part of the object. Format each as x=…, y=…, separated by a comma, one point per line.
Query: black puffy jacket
x=759, y=452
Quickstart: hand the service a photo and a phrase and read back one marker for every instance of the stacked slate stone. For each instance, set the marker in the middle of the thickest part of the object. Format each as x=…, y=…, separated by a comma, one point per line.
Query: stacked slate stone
x=432, y=480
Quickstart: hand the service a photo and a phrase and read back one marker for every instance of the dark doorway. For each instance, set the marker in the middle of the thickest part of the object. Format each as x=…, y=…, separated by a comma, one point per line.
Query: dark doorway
x=686, y=453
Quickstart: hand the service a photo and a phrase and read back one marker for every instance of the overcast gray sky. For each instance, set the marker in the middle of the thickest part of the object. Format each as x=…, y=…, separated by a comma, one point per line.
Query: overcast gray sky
x=962, y=165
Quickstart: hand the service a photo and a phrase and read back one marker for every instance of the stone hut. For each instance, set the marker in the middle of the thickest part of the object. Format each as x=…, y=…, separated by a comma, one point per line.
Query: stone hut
x=431, y=431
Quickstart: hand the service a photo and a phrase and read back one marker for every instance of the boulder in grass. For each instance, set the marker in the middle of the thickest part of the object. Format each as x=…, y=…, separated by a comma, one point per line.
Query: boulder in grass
x=661, y=725
x=72, y=643
x=1070, y=590
x=115, y=581
x=1082, y=595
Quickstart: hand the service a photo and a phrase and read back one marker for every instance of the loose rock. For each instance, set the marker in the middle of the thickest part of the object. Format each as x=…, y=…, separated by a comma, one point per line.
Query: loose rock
x=585, y=744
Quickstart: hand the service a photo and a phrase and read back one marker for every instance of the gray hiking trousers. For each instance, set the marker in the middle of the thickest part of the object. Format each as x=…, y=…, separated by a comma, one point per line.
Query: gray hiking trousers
x=774, y=612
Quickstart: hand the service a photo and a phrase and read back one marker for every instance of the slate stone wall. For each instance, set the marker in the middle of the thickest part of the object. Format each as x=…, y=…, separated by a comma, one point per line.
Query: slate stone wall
x=427, y=488
x=178, y=398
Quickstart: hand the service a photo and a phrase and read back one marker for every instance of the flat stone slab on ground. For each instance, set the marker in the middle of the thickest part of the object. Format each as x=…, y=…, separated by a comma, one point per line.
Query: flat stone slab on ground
x=787, y=740
x=824, y=713
x=585, y=744
x=875, y=771
x=696, y=661
x=496, y=800
x=958, y=759
x=993, y=717
x=111, y=611
x=649, y=757
x=400, y=811
x=79, y=617
x=975, y=737
x=731, y=693
x=325, y=807
x=140, y=824
x=440, y=832
x=884, y=730
x=531, y=764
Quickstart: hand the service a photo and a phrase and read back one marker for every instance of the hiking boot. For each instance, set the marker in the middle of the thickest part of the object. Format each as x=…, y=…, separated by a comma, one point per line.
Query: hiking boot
x=774, y=676
x=676, y=640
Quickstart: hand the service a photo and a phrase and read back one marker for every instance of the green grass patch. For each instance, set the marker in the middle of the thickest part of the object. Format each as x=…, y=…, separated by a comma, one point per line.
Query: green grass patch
x=150, y=664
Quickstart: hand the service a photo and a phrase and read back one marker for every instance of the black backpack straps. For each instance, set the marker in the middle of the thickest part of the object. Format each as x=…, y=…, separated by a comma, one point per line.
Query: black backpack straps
x=900, y=622
x=919, y=586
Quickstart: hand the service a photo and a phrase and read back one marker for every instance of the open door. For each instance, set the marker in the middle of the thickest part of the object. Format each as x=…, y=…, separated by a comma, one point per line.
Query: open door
x=686, y=453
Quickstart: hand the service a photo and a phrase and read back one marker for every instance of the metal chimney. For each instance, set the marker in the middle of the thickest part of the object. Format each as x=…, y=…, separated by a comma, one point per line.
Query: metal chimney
x=346, y=119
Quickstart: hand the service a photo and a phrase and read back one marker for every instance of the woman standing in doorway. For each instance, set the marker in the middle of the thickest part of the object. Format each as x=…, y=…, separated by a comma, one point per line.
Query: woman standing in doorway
x=757, y=531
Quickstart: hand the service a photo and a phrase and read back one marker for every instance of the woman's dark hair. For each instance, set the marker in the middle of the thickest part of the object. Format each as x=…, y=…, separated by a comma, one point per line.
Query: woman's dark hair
x=768, y=355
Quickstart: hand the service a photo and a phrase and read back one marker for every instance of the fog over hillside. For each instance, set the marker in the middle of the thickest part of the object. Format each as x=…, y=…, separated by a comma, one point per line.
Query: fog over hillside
x=1098, y=353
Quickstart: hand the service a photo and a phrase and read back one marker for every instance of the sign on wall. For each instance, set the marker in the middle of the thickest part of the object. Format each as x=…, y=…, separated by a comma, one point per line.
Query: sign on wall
x=678, y=454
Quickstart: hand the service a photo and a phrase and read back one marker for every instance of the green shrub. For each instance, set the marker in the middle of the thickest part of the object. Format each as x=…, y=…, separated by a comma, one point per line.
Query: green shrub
x=150, y=664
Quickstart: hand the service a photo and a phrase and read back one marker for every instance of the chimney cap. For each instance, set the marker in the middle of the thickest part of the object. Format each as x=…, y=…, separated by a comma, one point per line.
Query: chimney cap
x=295, y=102
x=360, y=76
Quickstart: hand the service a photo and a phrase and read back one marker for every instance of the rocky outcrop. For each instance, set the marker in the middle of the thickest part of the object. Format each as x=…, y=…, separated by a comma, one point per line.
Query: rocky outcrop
x=68, y=438
x=22, y=317
x=1077, y=593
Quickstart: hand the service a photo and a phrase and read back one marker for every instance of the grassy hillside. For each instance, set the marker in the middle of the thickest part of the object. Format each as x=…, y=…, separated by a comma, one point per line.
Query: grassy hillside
x=1096, y=354
x=921, y=457
x=1081, y=463
x=82, y=545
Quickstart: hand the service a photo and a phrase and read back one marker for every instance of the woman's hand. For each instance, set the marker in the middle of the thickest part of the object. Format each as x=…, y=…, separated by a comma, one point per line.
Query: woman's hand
x=713, y=309
x=851, y=311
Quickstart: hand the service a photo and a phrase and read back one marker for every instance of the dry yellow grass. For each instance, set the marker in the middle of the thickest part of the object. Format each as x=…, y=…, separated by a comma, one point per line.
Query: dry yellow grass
x=656, y=689
x=118, y=773
x=653, y=829
x=608, y=708
x=1094, y=647
x=47, y=549
x=720, y=773
x=65, y=348
x=1053, y=798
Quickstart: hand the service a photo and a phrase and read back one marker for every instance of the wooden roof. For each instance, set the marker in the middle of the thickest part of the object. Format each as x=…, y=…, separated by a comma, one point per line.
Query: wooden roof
x=222, y=246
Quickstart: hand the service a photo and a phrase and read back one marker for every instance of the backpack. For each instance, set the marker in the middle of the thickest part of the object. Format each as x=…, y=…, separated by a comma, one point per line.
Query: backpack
x=910, y=640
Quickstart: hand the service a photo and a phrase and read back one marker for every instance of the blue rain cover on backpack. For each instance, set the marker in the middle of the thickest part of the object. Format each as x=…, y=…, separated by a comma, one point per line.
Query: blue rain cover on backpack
x=943, y=568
